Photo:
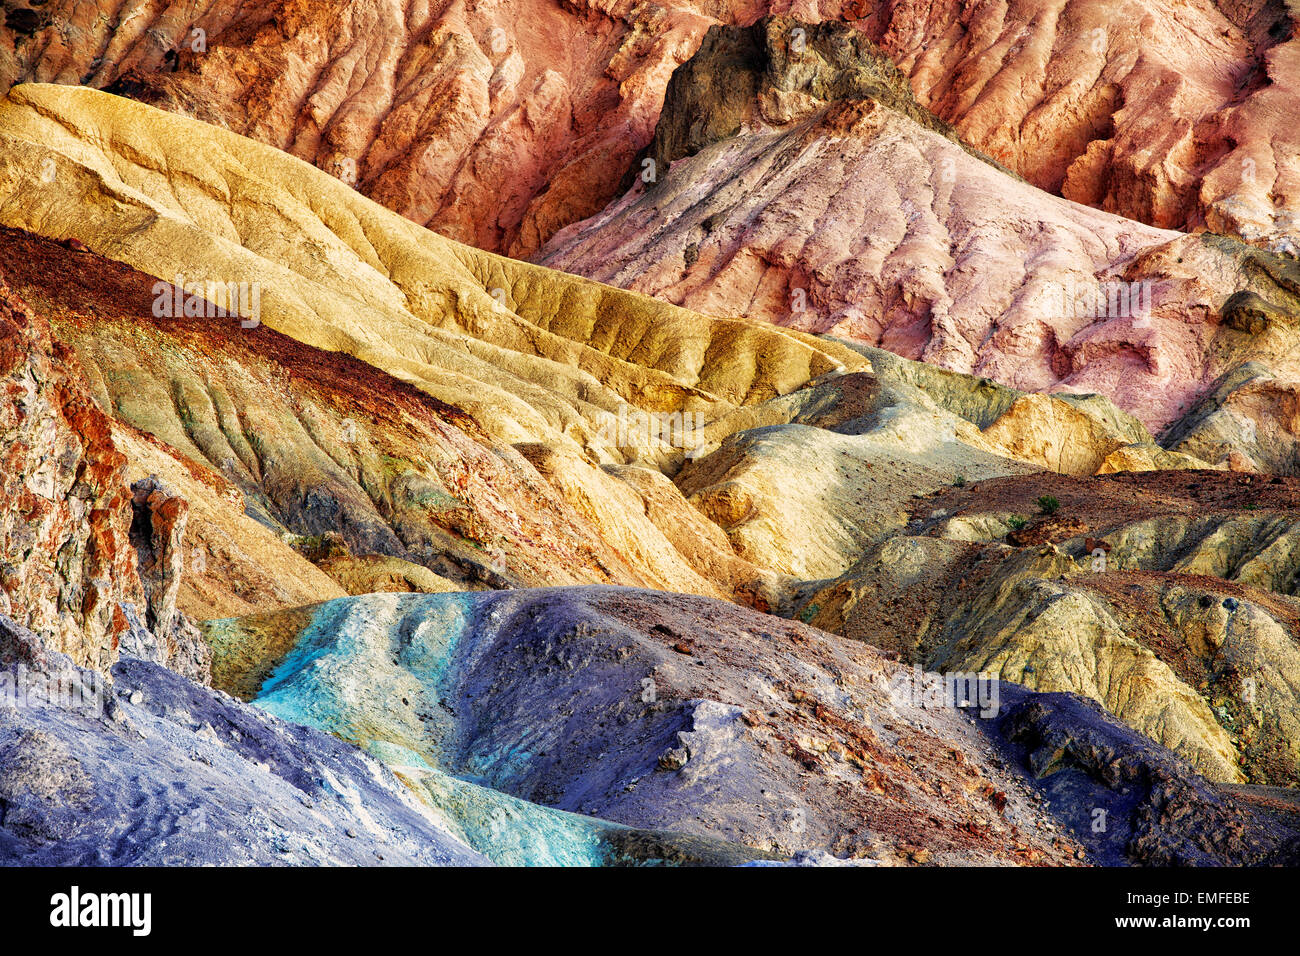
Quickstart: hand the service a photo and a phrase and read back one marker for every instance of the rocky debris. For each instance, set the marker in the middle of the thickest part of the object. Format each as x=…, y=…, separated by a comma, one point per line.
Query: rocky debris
x=150, y=769
x=769, y=734
x=1130, y=801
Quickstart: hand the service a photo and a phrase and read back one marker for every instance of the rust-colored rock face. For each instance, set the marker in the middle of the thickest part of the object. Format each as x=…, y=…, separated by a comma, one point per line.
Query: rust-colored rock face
x=67, y=563
x=495, y=124
x=1180, y=116
x=88, y=564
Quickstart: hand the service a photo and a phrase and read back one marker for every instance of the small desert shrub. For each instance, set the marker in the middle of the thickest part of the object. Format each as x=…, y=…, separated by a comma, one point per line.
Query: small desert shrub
x=1047, y=504
x=1016, y=522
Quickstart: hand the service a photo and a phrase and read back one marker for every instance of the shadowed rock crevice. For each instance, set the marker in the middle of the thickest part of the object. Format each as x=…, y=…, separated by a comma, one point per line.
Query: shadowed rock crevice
x=773, y=72
x=157, y=533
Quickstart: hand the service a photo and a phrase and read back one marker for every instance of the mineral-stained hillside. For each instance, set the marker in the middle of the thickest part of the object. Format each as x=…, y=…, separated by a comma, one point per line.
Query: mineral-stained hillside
x=688, y=714
x=805, y=192
x=1180, y=116
x=500, y=123
x=88, y=562
x=390, y=410
x=576, y=377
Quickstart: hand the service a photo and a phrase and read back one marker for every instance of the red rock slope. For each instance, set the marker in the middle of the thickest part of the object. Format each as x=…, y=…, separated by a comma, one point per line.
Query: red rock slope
x=1180, y=115
x=496, y=134
x=494, y=124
